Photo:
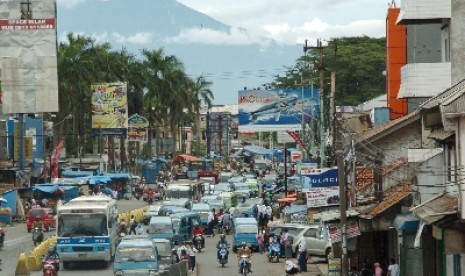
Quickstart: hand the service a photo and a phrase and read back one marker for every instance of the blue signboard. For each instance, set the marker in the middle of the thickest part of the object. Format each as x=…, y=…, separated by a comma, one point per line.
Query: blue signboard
x=319, y=178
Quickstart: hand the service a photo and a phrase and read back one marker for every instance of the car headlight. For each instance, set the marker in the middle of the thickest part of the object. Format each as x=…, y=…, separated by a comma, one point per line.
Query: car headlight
x=119, y=273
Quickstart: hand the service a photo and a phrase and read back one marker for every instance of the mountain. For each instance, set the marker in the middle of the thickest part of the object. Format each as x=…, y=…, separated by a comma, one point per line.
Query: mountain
x=152, y=24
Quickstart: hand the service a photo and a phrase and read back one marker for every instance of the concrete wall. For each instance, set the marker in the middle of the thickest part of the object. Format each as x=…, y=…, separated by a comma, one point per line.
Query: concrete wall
x=431, y=174
x=457, y=37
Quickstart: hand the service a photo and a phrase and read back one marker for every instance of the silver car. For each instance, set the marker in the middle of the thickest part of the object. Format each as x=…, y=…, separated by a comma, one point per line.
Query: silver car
x=316, y=237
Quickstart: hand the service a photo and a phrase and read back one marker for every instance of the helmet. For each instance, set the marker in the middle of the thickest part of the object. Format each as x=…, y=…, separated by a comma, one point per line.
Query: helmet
x=51, y=250
x=244, y=244
x=222, y=237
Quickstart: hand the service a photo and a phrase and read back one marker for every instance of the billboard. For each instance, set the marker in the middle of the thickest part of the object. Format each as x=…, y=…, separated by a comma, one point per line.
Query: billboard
x=276, y=110
x=28, y=56
x=325, y=196
x=109, y=108
x=137, y=128
x=318, y=178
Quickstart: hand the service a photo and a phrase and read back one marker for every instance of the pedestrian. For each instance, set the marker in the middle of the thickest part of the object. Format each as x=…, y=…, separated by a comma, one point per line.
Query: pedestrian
x=191, y=252
x=210, y=222
x=288, y=246
x=132, y=226
x=393, y=269
x=302, y=258
x=182, y=247
x=139, y=229
x=378, y=269
x=260, y=241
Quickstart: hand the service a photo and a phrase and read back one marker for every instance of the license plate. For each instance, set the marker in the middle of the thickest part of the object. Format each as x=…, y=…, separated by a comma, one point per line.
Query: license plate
x=82, y=255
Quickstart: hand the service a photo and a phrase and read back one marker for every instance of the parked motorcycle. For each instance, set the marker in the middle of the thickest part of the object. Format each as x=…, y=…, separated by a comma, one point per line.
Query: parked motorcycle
x=274, y=252
x=198, y=242
x=49, y=267
x=37, y=235
x=223, y=254
x=244, y=264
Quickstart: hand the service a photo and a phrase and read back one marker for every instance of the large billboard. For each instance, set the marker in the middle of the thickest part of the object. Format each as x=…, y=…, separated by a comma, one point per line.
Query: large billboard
x=319, y=178
x=109, y=108
x=28, y=56
x=276, y=110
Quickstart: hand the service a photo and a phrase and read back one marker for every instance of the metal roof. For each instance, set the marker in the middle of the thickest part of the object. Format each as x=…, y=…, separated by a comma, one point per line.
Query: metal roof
x=436, y=208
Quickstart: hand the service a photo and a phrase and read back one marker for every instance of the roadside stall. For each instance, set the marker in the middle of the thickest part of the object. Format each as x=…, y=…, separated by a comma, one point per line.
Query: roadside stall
x=296, y=214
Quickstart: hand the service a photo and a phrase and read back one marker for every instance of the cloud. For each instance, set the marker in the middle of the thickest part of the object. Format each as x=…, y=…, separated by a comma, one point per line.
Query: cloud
x=141, y=38
x=235, y=36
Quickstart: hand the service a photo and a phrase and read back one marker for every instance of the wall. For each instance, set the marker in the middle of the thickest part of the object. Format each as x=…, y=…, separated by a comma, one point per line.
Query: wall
x=424, y=43
x=457, y=40
x=431, y=173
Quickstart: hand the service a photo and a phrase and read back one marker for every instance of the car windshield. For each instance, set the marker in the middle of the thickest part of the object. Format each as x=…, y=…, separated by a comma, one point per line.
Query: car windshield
x=164, y=248
x=246, y=229
x=160, y=228
x=37, y=212
x=135, y=254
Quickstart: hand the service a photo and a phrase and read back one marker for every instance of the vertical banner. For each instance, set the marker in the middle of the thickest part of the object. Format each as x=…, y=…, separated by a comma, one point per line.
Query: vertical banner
x=137, y=128
x=109, y=108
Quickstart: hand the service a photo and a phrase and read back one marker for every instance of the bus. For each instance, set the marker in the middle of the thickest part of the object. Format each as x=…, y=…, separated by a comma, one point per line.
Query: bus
x=86, y=230
x=190, y=189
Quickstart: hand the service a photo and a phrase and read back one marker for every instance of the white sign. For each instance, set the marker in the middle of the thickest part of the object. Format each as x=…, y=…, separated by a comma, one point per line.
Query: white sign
x=324, y=196
x=284, y=137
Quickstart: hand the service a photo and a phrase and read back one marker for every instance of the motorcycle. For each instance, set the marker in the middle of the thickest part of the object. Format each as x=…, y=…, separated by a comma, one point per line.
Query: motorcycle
x=227, y=227
x=198, y=242
x=52, y=260
x=223, y=254
x=274, y=252
x=49, y=267
x=244, y=264
x=37, y=236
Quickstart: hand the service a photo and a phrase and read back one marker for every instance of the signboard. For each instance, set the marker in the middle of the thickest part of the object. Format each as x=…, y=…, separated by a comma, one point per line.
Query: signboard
x=326, y=196
x=284, y=137
x=275, y=110
x=137, y=128
x=334, y=267
x=109, y=108
x=28, y=56
x=315, y=178
x=306, y=168
x=352, y=231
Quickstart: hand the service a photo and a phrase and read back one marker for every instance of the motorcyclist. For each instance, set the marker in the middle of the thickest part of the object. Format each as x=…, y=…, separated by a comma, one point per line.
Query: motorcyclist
x=38, y=222
x=226, y=219
x=53, y=255
x=197, y=230
x=244, y=250
x=221, y=242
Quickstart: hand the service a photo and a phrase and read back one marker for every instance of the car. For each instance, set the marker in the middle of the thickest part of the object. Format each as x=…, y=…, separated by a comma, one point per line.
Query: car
x=316, y=237
x=216, y=203
x=246, y=209
x=136, y=255
x=165, y=258
x=236, y=179
x=206, y=198
x=46, y=216
x=151, y=211
x=240, y=186
x=223, y=187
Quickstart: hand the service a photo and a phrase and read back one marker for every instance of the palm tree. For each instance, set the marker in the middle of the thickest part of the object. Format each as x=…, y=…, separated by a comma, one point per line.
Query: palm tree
x=201, y=93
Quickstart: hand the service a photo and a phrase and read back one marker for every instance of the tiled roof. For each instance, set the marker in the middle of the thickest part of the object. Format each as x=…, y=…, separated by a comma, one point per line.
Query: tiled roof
x=387, y=127
x=400, y=192
x=436, y=208
x=440, y=134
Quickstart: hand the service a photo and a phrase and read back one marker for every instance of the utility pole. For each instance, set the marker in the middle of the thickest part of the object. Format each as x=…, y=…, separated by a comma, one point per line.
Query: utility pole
x=332, y=113
x=285, y=170
x=343, y=212
x=320, y=48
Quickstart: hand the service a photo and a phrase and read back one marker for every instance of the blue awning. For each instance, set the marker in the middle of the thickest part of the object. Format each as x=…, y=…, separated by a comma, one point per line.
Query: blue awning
x=74, y=174
x=258, y=150
x=406, y=222
x=46, y=188
x=98, y=179
x=117, y=175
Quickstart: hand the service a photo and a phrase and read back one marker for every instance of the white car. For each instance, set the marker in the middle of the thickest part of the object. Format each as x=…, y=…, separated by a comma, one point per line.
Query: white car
x=318, y=242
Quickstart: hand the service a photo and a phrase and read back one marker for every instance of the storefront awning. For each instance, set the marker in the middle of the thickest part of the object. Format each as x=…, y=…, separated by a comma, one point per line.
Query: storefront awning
x=436, y=208
x=400, y=193
x=406, y=222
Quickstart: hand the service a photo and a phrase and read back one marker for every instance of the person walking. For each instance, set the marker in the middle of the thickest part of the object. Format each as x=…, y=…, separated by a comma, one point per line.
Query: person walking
x=289, y=241
x=210, y=222
x=302, y=258
x=378, y=269
x=191, y=250
x=132, y=226
x=260, y=241
x=393, y=268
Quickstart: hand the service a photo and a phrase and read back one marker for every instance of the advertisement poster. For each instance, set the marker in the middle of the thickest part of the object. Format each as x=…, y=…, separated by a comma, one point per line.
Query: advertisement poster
x=276, y=110
x=317, y=178
x=334, y=267
x=318, y=197
x=109, y=107
x=137, y=128
x=352, y=231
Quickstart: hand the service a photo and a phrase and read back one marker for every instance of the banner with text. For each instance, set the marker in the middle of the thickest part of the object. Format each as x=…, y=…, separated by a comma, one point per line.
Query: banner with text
x=314, y=178
x=318, y=197
x=109, y=108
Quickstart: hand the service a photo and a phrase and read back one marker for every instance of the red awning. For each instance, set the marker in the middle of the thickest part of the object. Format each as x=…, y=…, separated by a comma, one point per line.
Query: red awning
x=185, y=157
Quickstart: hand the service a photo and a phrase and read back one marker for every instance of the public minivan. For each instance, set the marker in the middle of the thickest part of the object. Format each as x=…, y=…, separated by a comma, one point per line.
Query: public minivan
x=136, y=255
x=161, y=228
x=183, y=223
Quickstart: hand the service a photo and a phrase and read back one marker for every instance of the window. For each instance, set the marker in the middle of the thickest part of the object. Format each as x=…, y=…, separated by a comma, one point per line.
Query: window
x=311, y=233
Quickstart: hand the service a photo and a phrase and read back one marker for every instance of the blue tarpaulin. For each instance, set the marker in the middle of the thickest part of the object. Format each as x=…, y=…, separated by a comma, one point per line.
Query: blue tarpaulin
x=295, y=209
x=98, y=179
x=74, y=174
x=68, y=191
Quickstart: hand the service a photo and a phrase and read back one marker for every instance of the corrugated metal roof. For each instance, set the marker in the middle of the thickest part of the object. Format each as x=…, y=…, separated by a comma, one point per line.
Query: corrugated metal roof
x=454, y=106
x=388, y=127
x=436, y=208
x=435, y=101
x=401, y=192
x=440, y=134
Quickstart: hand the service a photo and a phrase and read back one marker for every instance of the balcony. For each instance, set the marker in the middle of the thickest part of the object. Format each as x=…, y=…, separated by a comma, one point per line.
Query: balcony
x=424, y=80
x=414, y=10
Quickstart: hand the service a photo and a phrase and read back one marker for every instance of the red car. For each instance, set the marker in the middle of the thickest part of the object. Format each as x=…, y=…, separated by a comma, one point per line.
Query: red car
x=46, y=216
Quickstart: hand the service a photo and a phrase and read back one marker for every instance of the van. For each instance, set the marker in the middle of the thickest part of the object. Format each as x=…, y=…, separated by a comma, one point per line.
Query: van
x=183, y=223
x=229, y=198
x=161, y=228
x=136, y=255
x=245, y=233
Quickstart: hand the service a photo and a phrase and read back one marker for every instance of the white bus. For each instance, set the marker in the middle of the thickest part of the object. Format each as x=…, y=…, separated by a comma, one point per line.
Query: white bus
x=86, y=230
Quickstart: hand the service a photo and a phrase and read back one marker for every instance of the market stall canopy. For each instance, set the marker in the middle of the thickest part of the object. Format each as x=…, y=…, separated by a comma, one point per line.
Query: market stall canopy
x=74, y=174
x=295, y=209
x=257, y=150
x=185, y=157
x=98, y=179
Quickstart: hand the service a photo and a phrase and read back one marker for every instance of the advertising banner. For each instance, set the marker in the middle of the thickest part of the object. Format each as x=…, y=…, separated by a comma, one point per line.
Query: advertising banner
x=318, y=197
x=352, y=231
x=276, y=110
x=28, y=40
x=314, y=178
x=109, y=108
x=137, y=128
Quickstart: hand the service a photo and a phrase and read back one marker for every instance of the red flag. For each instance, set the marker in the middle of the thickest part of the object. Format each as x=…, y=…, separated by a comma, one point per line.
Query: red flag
x=296, y=137
x=55, y=157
